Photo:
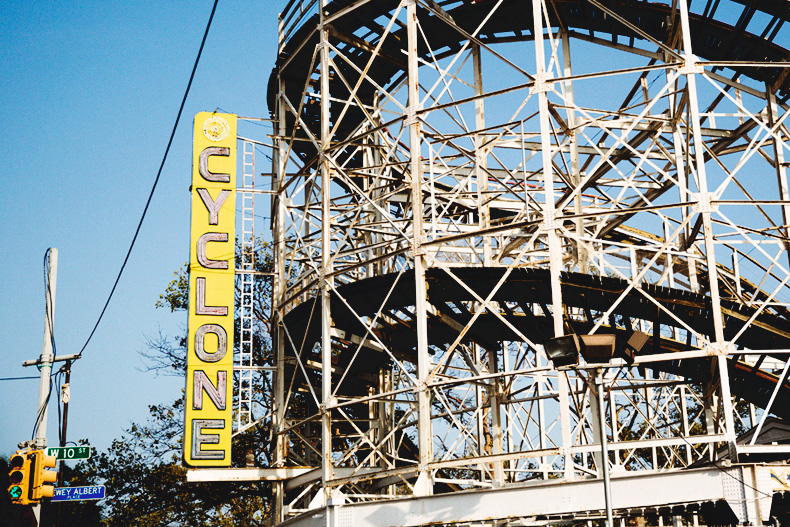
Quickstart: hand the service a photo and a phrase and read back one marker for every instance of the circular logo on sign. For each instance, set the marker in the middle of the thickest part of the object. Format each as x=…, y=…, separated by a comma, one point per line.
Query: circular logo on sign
x=216, y=129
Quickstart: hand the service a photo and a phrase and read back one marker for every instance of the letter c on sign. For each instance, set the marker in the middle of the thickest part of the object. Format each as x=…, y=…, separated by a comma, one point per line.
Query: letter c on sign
x=203, y=164
x=204, y=260
x=222, y=342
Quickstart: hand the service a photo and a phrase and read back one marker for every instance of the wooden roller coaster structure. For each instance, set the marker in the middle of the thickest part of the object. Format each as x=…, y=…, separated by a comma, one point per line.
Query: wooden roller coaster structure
x=457, y=184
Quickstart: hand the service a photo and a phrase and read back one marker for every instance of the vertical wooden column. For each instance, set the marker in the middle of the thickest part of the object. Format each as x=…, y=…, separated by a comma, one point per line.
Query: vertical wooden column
x=549, y=226
x=781, y=166
x=423, y=487
x=481, y=156
x=278, y=288
x=326, y=263
x=704, y=207
x=581, y=253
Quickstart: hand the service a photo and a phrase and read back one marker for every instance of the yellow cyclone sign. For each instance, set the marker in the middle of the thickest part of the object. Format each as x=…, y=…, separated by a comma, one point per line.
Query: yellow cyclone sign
x=209, y=398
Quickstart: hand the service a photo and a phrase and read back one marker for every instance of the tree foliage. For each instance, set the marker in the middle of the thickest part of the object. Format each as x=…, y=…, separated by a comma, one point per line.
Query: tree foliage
x=146, y=481
x=143, y=472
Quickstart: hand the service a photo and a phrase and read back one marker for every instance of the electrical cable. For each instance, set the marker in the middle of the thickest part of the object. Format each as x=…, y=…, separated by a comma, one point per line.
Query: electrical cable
x=50, y=326
x=156, y=181
x=48, y=293
x=42, y=409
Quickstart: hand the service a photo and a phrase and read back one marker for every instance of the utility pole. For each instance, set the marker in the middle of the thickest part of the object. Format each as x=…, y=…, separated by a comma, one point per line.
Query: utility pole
x=45, y=362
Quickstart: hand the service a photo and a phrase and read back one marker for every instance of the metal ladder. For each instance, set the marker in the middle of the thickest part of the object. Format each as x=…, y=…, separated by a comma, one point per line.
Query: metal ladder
x=244, y=365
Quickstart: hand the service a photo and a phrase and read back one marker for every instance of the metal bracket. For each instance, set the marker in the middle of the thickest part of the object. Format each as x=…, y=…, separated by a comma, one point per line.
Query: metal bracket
x=719, y=348
x=328, y=405
x=549, y=223
x=705, y=203
x=323, y=275
x=691, y=65
x=542, y=84
x=411, y=115
x=51, y=359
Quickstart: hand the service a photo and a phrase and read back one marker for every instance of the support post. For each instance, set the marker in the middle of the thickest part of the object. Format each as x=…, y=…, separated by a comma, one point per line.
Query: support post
x=46, y=359
x=326, y=265
x=607, y=486
x=278, y=287
x=495, y=403
x=423, y=487
x=481, y=157
x=581, y=253
x=705, y=206
x=781, y=166
x=549, y=226
x=66, y=388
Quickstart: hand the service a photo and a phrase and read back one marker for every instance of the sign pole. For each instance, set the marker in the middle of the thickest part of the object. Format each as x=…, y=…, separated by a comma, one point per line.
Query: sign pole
x=46, y=360
x=66, y=396
x=607, y=486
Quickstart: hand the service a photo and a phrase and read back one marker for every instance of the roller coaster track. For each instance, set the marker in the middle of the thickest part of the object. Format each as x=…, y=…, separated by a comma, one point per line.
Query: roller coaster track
x=359, y=35
x=528, y=291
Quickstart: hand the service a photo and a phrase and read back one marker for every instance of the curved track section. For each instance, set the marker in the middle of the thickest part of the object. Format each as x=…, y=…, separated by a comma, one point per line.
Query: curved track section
x=521, y=300
x=360, y=35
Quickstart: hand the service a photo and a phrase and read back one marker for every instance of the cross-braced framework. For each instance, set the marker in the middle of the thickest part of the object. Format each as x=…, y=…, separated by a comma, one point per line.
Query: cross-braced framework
x=458, y=182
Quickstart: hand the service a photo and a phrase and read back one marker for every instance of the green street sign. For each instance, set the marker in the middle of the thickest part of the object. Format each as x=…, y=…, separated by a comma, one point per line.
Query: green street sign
x=15, y=492
x=70, y=452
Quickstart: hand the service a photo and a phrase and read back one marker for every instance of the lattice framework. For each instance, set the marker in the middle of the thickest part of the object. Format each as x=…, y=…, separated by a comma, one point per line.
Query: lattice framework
x=449, y=197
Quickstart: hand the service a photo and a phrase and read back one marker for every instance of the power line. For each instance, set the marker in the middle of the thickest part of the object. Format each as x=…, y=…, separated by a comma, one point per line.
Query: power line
x=42, y=410
x=156, y=181
x=48, y=293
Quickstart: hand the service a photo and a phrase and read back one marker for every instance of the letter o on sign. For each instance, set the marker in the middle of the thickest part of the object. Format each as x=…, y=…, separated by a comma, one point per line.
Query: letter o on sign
x=222, y=342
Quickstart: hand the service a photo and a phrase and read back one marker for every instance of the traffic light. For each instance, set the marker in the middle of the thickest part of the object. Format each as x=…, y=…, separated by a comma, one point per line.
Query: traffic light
x=19, y=477
x=42, y=477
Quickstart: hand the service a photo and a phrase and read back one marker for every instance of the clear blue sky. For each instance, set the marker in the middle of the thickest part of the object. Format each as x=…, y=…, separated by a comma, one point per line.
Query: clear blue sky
x=90, y=91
